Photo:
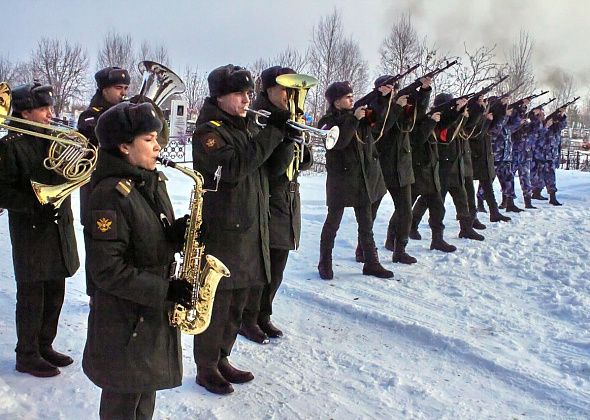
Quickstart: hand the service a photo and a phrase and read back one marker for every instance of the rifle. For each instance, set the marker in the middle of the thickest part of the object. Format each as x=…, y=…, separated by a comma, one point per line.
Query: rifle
x=554, y=113
x=520, y=102
x=505, y=95
x=471, y=97
x=544, y=104
x=410, y=90
x=370, y=97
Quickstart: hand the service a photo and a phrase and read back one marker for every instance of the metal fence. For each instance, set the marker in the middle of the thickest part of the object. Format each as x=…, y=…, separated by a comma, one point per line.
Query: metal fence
x=575, y=158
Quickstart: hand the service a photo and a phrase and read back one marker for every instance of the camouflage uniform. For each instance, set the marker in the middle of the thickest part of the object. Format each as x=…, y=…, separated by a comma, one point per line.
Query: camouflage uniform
x=502, y=148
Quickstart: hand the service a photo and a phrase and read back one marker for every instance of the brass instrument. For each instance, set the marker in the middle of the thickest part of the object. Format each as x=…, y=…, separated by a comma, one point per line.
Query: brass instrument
x=204, y=280
x=70, y=155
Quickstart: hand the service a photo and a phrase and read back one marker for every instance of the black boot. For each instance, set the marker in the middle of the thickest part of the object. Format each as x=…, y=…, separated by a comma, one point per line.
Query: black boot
x=233, y=375
x=358, y=253
x=390, y=241
x=35, y=365
x=503, y=203
x=511, y=207
x=372, y=266
x=439, y=243
x=325, y=264
x=270, y=329
x=477, y=224
x=253, y=333
x=400, y=255
x=496, y=216
x=56, y=358
x=480, y=206
x=537, y=194
x=528, y=203
x=414, y=233
x=211, y=379
x=467, y=231
x=553, y=200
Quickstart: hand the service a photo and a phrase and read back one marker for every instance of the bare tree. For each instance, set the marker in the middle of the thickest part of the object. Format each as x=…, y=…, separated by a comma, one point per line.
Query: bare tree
x=477, y=69
x=327, y=62
x=196, y=90
x=118, y=51
x=7, y=70
x=562, y=86
x=520, y=67
x=158, y=53
x=62, y=65
x=401, y=48
x=291, y=58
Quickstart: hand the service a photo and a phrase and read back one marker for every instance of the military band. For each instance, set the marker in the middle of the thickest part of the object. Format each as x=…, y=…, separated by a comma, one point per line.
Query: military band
x=247, y=157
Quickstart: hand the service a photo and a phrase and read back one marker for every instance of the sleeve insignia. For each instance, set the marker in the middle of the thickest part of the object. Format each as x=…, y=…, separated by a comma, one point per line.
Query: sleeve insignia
x=105, y=224
x=211, y=141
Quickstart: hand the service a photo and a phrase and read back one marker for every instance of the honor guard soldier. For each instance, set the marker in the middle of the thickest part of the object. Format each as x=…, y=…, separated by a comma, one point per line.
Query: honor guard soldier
x=131, y=349
x=111, y=88
x=235, y=218
x=43, y=241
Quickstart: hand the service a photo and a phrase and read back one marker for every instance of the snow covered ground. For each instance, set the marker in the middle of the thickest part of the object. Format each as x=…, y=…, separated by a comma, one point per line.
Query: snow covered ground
x=498, y=329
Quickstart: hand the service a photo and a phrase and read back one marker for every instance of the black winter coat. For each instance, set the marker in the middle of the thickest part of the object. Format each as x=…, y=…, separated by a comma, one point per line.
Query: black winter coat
x=469, y=131
x=425, y=157
x=235, y=218
x=41, y=252
x=395, y=150
x=284, y=197
x=130, y=345
x=481, y=152
x=450, y=148
x=354, y=173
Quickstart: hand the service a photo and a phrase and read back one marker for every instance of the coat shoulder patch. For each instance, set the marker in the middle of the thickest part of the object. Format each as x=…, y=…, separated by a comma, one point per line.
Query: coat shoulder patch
x=124, y=187
x=104, y=225
x=211, y=141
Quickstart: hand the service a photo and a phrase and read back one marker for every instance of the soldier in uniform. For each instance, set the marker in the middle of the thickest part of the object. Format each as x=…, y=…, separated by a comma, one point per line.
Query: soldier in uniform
x=131, y=350
x=354, y=177
x=43, y=241
x=522, y=141
x=285, y=211
x=111, y=88
x=548, y=154
x=235, y=218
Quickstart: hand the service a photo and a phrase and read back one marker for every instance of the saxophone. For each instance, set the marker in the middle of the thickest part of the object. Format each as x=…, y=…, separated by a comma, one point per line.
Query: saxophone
x=205, y=281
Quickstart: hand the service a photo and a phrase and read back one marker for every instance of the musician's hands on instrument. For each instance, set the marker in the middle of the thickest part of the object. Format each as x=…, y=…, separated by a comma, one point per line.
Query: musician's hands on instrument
x=45, y=214
x=175, y=232
x=360, y=112
x=180, y=291
x=436, y=116
x=278, y=118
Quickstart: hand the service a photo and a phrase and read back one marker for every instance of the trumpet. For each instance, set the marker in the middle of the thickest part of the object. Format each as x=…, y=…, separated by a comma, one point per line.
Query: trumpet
x=329, y=136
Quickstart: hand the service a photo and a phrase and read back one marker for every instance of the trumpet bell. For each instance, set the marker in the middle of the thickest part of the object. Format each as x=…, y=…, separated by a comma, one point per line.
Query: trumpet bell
x=297, y=81
x=331, y=137
x=56, y=194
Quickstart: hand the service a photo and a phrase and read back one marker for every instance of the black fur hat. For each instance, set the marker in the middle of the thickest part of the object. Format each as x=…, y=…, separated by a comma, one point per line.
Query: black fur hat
x=441, y=98
x=111, y=76
x=229, y=79
x=382, y=79
x=31, y=96
x=269, y=76
x=123, y=122
x=337, y=90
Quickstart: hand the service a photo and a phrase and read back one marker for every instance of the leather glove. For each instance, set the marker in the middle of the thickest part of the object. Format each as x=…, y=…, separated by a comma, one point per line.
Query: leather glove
x=180, y=291
x=45, y=214
x=278, y=119
x=175, y=232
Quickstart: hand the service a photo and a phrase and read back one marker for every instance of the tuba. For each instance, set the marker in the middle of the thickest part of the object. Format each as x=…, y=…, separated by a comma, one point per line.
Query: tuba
x=70, y=155
x=204, y=280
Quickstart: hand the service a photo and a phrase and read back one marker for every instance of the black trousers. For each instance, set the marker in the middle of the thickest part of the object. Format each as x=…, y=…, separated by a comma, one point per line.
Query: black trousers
x=259, y=307
x=488, y=193
x=401, y=219
x=364, y=219
x=436, y=210
x=470, y=191
x=38, y=306
x=217, y=341
x=458, y=193
x=127, y=406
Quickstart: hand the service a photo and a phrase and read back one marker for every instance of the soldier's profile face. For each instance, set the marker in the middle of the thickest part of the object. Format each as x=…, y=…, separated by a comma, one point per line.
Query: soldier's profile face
x=278, y=96
x=40, y=115
x=235, y=103
x=142, y=151
x=344, y=102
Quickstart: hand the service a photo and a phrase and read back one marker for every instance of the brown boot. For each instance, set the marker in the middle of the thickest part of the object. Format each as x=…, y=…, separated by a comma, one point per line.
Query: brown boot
x=253, y=333
x=511, y=207
x=37, y=366
x=528, y=204
x=503, y=203
x=56, y=358
x=439, y=243
x=269, y=329
x=480, y=206
x=553, y=200
x=233, y=375
x=400, y=255
x=467, y=231
x=325, y=264
x=372, y=266
x=211, y=379
x=477, y=224
x=537, y=194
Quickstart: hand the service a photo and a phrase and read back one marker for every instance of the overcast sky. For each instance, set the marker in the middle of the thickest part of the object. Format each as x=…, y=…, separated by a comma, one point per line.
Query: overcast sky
x=213, y=33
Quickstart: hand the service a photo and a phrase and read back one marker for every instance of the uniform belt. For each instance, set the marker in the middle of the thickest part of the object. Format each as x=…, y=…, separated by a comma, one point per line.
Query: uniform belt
x=293, y=187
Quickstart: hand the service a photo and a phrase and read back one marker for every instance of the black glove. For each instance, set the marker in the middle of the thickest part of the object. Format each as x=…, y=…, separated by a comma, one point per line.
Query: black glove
x=45, y=214
x=175, y=231
x=180, y=291
x=278, y=118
